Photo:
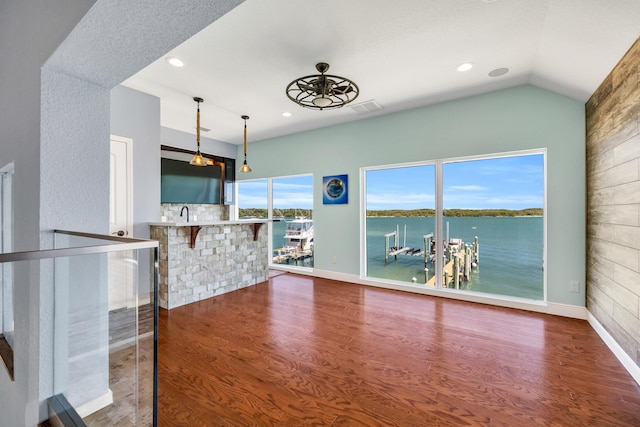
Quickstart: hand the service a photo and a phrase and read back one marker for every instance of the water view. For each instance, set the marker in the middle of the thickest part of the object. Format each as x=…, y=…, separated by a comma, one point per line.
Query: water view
x=510, y=256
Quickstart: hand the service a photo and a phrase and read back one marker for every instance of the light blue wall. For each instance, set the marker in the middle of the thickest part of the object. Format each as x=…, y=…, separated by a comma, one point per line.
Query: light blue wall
x=136, y=115
x=515, y=119
x=179, y=139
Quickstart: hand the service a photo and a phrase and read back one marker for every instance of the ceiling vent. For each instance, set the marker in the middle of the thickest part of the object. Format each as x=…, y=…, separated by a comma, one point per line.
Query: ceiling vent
x=366, y=107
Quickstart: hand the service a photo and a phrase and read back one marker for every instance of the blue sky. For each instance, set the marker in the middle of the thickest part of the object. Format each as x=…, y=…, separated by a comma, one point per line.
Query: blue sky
x=292, y=192
x=500, y=183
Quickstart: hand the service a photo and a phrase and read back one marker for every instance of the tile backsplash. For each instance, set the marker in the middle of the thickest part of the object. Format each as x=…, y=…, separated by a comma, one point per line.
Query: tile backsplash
x=171, y=212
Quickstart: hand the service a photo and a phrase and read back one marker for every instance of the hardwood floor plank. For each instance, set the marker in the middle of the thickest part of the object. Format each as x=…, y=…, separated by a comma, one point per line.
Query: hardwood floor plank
x=298, y=351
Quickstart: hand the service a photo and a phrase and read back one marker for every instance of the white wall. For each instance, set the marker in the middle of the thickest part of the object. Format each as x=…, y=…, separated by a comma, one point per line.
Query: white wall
x=74, y=193
x=29, y=33
x=110, y=41
x=521, y=118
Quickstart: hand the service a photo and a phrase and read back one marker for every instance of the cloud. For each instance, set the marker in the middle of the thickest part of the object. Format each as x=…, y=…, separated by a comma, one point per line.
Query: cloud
x=252, y=201
x=528, y=200
x=468, y=188
x=303, y=200
x=287, y=187
x=400, y=201
x=477, y=201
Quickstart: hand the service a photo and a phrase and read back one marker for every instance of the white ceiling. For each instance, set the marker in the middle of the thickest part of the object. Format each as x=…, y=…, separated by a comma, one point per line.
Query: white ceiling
x=401, y=53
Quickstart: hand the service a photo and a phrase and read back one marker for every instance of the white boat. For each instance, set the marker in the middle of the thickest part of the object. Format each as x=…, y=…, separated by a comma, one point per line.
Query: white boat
x=298, y=240
x=299, y=234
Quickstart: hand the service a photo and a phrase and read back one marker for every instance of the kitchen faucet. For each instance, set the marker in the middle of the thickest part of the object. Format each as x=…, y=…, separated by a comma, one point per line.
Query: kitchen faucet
x=182, y=210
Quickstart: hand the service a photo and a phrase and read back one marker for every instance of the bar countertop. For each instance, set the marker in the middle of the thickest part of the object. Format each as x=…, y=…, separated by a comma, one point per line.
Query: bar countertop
x=206, y=223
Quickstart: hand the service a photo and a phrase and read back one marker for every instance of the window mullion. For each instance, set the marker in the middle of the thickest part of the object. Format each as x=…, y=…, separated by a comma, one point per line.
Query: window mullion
x=438, y=225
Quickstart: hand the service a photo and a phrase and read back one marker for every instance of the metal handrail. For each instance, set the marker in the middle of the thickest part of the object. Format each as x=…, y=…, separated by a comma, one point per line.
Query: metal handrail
x=125, y=244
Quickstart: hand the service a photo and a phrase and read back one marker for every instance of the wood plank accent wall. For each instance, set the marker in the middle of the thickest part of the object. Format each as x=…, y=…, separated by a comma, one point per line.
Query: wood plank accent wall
x=613, y=203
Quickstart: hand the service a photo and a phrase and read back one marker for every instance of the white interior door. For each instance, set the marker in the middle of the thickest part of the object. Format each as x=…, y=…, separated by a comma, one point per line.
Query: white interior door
x=121, y=264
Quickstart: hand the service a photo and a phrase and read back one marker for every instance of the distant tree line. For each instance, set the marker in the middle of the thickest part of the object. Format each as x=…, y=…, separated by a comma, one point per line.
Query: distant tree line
x=455, y=212
x=278, y=213
x=292, y=213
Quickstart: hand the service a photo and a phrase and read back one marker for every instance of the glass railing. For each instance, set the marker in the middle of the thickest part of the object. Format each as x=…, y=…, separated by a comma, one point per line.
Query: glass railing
x=103, y=325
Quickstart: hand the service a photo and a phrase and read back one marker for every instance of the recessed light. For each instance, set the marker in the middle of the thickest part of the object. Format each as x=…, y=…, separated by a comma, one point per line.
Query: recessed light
x=286, y=114
x=498, y=72
x=176, y=62
x=465, y=66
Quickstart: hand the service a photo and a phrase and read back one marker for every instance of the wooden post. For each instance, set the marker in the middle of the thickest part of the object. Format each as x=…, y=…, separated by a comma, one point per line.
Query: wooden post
x=467, y=263
x=456, y=272
x=426, y=275
x=386, y=249
x=446, y=279
x=477, y=250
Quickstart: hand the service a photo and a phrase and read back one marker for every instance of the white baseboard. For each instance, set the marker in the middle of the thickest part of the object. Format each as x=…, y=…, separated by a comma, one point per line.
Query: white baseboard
x=96, y=404
x=620, y=354
x=567, y=310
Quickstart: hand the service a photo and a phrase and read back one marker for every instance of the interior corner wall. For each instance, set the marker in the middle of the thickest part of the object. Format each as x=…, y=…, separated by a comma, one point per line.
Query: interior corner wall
x=74, y=185
x=136, y=115
x=521, y=118
x=613, y=208
x=23, y=54
x=68, y=39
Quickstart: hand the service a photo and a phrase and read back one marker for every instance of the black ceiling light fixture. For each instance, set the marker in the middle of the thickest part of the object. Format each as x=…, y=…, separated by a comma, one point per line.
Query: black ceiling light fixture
x=322, y=91
x=198, y=160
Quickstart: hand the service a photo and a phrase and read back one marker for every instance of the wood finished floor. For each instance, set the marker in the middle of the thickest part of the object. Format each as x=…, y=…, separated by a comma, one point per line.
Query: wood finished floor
x=299, y=351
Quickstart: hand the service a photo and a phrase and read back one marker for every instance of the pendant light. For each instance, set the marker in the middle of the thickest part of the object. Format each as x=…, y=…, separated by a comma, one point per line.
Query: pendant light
x=245, y=167
x=198, y=160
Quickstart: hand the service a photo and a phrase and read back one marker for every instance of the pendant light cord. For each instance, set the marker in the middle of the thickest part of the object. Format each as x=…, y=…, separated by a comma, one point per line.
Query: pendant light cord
x=245, y=139
x=198, y=127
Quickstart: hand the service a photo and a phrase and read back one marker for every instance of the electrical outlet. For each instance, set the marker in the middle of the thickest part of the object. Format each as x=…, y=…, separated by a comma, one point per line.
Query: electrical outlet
x=574, y=286
x=334, y=259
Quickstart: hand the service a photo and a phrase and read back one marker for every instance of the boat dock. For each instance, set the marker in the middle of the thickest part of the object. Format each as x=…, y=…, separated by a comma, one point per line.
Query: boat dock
x=395, y=249
x=459, y=258
x=288, y=254
x=299, y=242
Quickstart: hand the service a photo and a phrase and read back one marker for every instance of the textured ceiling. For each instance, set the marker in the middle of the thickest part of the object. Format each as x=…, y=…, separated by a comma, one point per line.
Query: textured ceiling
x=402, y=54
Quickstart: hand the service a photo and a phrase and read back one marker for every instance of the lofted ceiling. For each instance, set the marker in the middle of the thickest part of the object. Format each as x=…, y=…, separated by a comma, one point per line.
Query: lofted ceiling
x=402, y=54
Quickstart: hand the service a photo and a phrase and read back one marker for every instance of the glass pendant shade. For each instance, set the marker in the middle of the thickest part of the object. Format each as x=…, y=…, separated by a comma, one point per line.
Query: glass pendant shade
x=198, y=160
x=321, y=101
x=245, y=167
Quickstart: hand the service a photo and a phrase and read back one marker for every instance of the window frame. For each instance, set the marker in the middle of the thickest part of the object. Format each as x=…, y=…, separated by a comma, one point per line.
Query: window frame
x=439, y=220
x=270, y=208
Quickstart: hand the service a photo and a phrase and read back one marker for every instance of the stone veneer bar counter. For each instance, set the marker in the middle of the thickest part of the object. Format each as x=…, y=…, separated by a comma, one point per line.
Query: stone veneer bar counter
x=199, y=260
